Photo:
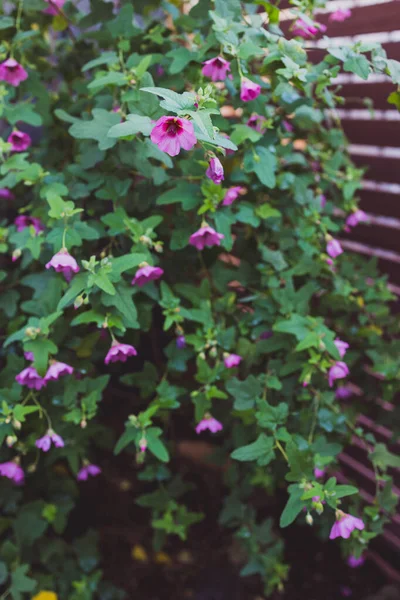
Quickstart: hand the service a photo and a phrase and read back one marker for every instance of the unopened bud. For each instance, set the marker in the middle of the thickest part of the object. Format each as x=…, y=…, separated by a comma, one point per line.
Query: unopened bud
x=145, y=240
x=83, y=424
x=309, y=519
x=213, y=352
x=143, y=444
x=10, y=440
x=17, y=424
x=158, y=247
x=78, y=302
x=16, y=254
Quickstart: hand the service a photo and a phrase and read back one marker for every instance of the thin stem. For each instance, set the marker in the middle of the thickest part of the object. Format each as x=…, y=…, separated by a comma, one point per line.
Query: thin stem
x=19, y=15
x=282, y=451
x=314, y=421
x=64, y=237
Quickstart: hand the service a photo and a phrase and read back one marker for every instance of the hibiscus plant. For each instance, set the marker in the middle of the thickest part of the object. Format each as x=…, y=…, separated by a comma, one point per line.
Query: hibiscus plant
x=174, y=180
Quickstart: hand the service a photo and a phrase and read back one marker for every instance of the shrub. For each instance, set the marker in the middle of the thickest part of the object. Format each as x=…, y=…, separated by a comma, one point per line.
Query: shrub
x=174, y=181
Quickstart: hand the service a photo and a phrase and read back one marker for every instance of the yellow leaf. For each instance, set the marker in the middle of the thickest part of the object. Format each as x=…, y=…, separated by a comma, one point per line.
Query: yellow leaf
x=139, y=553
x=45, y=595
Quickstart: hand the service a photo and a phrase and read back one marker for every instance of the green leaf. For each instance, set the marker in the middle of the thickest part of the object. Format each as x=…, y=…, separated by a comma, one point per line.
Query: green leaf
x=383, y=459
x=3, y=566
x=263, y=163
x=245, y=393
x=172, y=101
x=262, y=450
x=106, y=58
x=41, y=348
x=123, y=302
x=266, y=211
x=6, y=22
x=96, y=129
x=359, y=65
x=218, y=140
x=103, y=282
x=271, y=416
x=112, y=78
x=181, y=58
x=244, y=132
x=293, y=506
x=131, y=434
x=274, y=257
x=133, y=125
x=155, y=445
x=22, y=112
x=345, y=490
x=183, y=193
x=125, y=263
x=20, y=582
x=76, y=287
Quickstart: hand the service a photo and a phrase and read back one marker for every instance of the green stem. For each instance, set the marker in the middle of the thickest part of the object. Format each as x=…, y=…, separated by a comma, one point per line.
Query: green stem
x=314, y=421
x=282, y=451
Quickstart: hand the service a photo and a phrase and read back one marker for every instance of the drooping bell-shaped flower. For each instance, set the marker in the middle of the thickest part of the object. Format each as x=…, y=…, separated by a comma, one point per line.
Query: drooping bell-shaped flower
x=205, y=236
x=119, y=352
x=12, y=72
x=216, y=68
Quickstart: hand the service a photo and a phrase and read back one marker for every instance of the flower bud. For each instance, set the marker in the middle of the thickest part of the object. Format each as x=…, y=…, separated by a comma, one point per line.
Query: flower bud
x=17, y=424
x=78, y=302
x=16, y=254
x=309, y=519
x=83, y=424
x=10, y=440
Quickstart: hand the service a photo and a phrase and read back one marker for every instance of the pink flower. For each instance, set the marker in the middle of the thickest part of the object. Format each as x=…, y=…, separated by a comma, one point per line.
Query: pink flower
x=12, y=471
x=119, y=352
x=341, y=346
x=233, y=360
x=354, y=562
x=343, y=392
x=53, y=5
x=57, y=369
x=345, y=525
x=231, y=194
x=216, y=68
x=173, y=133
x=333, y=248
x=342, y=14
x=209, y=423
x=257, y=123
x=249, y=90
x=6, y=194
x=322, y=200
x=338, y=371
x=181, y=342
x=227, y=151
x=12, y=72
x=29, y=356
x=64, y=263
x=205, y=236
x=318, y=473
x=19, y=141
x=31, y=379
x=287, y=126
x=91, y=470
x=146, y=274
x=302, y=29
x=44, y=443
x=359, y=216
x=215, y=170
x=143, y=445
x=24, y=221
x=160, y=70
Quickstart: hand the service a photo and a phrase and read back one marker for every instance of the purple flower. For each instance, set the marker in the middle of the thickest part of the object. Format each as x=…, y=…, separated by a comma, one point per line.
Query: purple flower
x=205, y=236
x=257, y=123
x=265, y=335
x=233, y=360
x=29, y=356
x=160, y=70
x=54, y=4
x=249, y=90
x=333, y=248
x=302, y=29
x=119, y=352
x=322, y=200
x=58, y=369
x=19, y=141
x=6, y=194
x=146, y=274
x=318, y=473
x=181, y=342
x=216, y=68
x=87, y=470
x=354, y=562
x=344, y=525
x=44, y=443
x=231, y=194
x=12, y=471
x=359, y=216
x=341, y=347
x=173, y=133
x=342, y=14
x=12, y=72
x=215, y=170
x=287, y=126
x=209, y=423
x=338, y=371
x=343, y=392
x=31, y=379
x=24, y=221
x=64, y=263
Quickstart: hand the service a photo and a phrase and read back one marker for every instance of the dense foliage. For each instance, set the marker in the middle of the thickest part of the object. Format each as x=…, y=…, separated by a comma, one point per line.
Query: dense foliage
x=181, y=218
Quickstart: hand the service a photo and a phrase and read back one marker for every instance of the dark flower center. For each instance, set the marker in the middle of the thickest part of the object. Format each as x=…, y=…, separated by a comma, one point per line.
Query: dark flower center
x=12, y=68
x=173, y=128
